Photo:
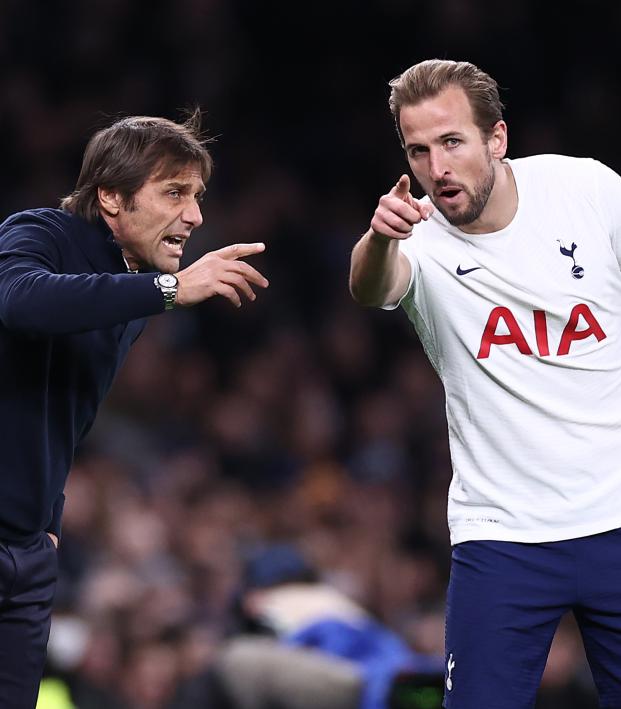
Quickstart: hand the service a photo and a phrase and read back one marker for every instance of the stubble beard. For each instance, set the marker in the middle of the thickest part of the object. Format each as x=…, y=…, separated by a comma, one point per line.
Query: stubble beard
x=477, y=199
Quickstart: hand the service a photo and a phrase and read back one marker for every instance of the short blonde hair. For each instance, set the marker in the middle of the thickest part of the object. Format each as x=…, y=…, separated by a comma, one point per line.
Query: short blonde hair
x=427, y=79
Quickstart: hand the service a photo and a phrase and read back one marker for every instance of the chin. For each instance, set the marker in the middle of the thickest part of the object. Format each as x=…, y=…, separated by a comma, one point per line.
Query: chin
x=463, y=217
x=168, y=266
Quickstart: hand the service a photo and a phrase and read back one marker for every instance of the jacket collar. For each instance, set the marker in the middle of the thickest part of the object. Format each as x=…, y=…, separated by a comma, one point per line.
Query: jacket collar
x=96, y=241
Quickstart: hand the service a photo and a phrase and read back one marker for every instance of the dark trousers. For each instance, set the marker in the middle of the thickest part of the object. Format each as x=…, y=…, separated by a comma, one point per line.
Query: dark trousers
x=505, y=601
x=28, y=574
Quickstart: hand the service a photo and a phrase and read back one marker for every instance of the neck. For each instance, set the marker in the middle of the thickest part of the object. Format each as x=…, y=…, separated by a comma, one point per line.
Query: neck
x=130, y=263
x=501, y=205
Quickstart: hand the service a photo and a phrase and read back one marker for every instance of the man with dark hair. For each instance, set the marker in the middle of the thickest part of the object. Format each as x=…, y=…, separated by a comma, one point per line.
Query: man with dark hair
x=76, y=285
x=510, y=271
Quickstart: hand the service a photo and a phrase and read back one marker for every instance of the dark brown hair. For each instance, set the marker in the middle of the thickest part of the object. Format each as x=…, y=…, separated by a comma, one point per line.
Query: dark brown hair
x=123, y=156
x=427, y=79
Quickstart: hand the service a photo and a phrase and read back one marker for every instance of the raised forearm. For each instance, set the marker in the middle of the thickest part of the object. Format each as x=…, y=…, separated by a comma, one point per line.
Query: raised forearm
x=380, y=273
x=377, y=274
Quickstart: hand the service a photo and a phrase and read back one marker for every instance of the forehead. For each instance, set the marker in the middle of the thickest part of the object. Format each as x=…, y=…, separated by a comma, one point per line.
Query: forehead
x=448, y=112
x=187, y=174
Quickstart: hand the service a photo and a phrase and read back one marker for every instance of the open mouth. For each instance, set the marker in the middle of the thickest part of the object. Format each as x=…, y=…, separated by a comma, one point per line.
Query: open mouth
x=449, y=193
x=174, y=243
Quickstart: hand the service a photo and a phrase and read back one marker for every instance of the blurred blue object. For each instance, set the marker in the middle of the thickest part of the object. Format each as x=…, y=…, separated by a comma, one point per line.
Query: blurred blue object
x=305, y=612
x=380, y=654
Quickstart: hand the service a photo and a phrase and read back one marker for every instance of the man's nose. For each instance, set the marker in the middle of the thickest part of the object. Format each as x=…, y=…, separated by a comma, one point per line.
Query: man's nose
x=438, y=168
x=192, y=214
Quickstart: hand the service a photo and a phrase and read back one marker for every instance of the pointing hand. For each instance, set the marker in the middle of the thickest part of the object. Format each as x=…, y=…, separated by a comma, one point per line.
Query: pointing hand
x=222, y=273
x=397, y=212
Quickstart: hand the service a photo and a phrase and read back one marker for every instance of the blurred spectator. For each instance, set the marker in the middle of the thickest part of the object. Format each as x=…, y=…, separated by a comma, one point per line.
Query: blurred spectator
x=326, y=650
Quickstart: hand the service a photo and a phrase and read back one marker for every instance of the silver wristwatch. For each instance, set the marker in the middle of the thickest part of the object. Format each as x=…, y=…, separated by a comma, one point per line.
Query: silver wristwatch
x=168, y=284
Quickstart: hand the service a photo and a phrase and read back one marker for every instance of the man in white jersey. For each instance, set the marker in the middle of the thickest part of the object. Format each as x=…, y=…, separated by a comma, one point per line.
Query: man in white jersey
x=510, y=273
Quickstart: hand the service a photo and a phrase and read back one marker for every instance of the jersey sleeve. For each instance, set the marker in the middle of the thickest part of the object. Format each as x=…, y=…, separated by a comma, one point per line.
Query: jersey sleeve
x=609, y=197
x=35, y=297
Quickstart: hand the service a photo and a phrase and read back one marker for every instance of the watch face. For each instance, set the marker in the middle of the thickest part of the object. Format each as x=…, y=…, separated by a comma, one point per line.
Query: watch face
x=167, y=280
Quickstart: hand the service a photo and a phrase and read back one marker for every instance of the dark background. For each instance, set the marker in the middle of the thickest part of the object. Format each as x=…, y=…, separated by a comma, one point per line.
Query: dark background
x=302, y=416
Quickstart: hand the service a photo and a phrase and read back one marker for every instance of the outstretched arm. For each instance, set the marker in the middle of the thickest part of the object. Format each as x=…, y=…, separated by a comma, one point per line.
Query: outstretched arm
x=37, y=297
x=379, y=273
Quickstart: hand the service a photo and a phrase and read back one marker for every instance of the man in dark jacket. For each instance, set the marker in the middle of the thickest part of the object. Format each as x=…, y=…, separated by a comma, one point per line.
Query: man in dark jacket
x=76, y=285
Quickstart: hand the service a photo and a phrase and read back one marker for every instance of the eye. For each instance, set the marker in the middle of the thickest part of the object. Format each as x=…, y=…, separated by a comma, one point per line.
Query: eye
x=199, y=196
x=175, y=194
x=452, y=142
x=417, y=150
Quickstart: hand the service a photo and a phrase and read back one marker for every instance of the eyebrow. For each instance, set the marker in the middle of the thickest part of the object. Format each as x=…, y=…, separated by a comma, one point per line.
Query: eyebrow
x=439, y=139
x=451, y=134
x=184, y=186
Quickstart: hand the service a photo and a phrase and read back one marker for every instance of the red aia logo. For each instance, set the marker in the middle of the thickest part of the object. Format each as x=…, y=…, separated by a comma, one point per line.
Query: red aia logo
x=516, y=336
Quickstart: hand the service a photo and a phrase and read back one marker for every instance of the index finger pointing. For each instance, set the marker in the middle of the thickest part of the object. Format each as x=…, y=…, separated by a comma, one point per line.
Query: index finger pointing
x=235, y=251
x=402, y=188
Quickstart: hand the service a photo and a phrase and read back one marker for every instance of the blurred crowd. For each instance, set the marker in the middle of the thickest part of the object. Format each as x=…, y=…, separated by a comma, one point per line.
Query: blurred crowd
x=194, y=461
x=301, y=417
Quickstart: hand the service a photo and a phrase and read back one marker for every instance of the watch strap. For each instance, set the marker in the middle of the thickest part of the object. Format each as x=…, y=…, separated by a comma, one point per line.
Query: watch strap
x=169, y=293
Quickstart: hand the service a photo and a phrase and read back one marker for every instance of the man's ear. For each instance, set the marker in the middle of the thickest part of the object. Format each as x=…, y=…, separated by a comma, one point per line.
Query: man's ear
x=110, y=201
x=498, y=141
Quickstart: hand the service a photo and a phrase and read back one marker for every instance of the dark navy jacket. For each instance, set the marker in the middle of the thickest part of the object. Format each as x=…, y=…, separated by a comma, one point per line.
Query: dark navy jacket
x=69, y=312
